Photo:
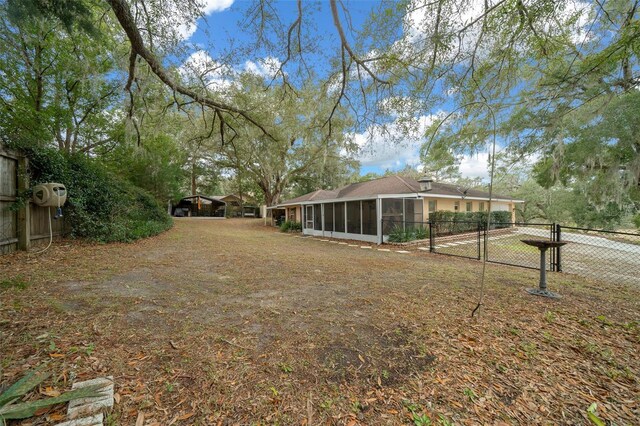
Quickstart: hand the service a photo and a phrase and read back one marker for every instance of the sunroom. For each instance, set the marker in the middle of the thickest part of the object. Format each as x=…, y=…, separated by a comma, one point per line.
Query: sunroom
x=370, y=219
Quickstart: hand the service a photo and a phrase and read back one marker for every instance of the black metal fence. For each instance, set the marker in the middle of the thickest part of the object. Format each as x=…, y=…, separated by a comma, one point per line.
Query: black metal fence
x=454, y=238
x=588, y=252
x=614, y=256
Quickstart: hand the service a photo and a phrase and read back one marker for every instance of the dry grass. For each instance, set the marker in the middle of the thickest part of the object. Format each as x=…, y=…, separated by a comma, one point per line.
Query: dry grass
x=228, y=322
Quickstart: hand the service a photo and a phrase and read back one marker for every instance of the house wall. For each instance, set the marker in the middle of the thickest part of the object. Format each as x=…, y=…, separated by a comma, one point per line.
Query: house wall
x=448, y=204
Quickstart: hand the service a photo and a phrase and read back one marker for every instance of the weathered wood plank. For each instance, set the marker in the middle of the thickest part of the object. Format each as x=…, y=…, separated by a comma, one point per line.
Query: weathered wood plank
x=9, y=153
x=24, y=214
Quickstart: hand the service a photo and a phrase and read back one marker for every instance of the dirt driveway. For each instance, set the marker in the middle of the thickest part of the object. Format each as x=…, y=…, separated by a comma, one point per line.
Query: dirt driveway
x=230, y=322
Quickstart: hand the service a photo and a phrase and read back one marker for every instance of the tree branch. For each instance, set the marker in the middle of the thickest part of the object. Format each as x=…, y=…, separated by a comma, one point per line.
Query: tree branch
x=123, y=14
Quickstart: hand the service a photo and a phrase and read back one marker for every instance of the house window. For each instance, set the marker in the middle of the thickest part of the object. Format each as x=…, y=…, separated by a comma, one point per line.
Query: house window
x=292, y=215
x=456, y=206
x=328, y=217
x=339, y=222
x=433, y=206
x=369, y=217
x=481, y=206
x=353, y=217
x=308, y=217
x=469, y=206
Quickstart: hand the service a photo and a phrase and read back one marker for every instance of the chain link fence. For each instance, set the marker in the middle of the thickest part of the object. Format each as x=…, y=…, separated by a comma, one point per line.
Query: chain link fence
x=589, y=252
x=609, y=255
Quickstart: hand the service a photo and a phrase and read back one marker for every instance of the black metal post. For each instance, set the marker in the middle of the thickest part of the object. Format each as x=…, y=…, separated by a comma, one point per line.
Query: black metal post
x=558, y=238
x=431, y=239
x=552, y=253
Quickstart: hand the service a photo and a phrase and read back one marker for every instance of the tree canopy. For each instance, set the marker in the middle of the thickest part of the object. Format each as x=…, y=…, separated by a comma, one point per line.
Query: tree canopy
x=560, y=79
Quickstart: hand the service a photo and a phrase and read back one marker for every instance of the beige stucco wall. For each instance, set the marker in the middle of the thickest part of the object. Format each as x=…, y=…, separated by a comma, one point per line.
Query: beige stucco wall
x=448, y=204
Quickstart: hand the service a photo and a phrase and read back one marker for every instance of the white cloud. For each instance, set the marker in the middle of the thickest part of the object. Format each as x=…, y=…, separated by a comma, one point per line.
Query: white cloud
x=215, y=75
x=393, y=145
x=571, y=17
x=475, y=166
x=202, y=67
x=207, y=7
x=211, y=6
x=266, y=67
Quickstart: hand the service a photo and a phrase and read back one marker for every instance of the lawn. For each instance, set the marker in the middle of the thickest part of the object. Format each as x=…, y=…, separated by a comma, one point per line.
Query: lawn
x=229, y=322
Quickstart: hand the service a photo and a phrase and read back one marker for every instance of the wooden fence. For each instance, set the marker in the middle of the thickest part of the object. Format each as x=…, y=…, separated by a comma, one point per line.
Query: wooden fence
x=28, y=226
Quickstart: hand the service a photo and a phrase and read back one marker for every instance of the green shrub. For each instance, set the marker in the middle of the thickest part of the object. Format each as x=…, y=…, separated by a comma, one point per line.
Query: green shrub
x=291, y=226
x=499, y=219
x=100, y=206
x=636, y=221
x=398, y=234
x=422, y=233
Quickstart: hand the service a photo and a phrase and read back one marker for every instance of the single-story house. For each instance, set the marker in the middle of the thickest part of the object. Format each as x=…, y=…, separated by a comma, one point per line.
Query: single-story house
x=199, y=205
x=366, y=211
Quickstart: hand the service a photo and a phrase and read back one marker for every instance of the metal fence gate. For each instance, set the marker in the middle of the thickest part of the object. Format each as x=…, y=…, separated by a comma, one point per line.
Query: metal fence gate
x=455, y=238
x=503, y=245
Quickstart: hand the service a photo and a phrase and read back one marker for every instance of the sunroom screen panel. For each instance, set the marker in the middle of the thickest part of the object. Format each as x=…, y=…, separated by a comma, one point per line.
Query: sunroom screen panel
x=369, y=217
x=413, y=213
x=391, y=214
x=353, y=217
x=328, y=217
x=339, y=222
x=317, y=217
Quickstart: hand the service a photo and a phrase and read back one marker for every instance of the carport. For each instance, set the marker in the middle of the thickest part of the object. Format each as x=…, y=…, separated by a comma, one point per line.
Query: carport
x=199, y=205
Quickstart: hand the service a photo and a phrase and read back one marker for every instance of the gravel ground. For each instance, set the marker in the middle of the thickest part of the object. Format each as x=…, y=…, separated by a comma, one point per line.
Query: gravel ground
x=230, y=322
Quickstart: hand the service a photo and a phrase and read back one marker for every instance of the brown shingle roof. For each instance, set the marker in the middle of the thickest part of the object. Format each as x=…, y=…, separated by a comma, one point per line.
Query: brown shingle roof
x=320, y=194
x=393, y=184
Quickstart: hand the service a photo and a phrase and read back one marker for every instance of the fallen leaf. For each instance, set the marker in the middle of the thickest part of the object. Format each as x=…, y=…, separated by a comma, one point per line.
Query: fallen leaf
x=56, y=355
x=186, y=416
x=56, y=417
x=116, y=397
x=140, y=419
x=49, y=391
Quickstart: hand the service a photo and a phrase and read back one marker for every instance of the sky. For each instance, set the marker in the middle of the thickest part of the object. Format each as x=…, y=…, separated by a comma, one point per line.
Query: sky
x=219, y=31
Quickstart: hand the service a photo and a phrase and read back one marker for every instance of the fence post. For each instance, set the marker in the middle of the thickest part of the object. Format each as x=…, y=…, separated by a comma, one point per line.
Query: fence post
x=431, y=238
x=558, y=238
x=552, y=252
x=24, y=214
x=479, y=229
